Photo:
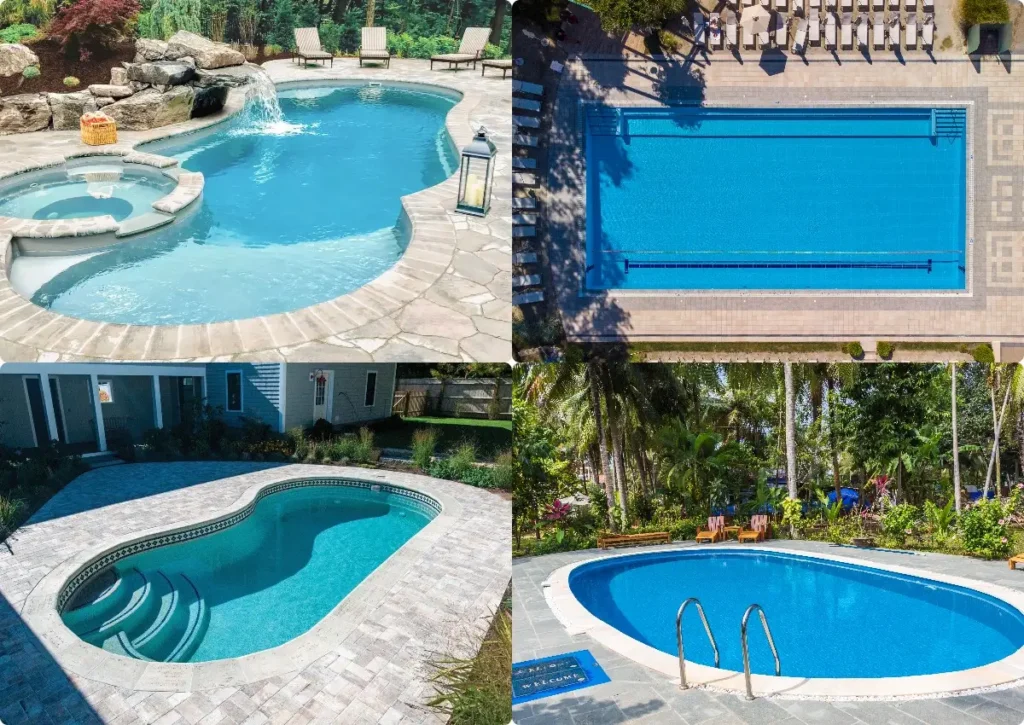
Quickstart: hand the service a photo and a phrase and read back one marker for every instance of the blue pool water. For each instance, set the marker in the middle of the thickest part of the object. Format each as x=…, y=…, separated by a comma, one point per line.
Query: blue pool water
x=285, y=567
x=729, y=198
x=286, y=220
x=57, y=196
x=828, y=619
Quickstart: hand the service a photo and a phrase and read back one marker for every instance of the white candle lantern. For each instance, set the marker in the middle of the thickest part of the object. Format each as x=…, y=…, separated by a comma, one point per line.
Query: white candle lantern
x=476, y=175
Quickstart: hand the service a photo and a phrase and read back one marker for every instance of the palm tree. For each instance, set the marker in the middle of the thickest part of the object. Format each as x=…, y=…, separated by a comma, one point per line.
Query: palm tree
x=956, y=443
x=787, y=368
x=694, y=462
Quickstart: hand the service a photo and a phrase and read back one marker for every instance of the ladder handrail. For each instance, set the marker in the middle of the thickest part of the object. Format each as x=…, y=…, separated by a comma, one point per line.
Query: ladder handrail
x=679, y=637
x=746, y=650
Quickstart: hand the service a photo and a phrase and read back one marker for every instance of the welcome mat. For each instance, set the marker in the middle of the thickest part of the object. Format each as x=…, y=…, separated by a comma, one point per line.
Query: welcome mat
x=549, y=676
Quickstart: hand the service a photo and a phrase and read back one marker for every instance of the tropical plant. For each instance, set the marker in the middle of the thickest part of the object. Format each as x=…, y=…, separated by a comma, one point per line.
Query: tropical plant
x=900, y=521
x=941, y=519
x=10, y=511
x=985, y=531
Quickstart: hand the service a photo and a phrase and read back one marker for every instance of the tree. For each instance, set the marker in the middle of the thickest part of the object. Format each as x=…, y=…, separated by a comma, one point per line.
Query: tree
x=497, y=22
x=283, y=29
x=643, y=15
x=790, y=429
x=956, y=442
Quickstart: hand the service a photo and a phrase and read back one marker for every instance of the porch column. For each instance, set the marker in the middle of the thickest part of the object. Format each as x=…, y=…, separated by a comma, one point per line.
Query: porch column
x=51, y=418
x=158, y=408
x=101, y=430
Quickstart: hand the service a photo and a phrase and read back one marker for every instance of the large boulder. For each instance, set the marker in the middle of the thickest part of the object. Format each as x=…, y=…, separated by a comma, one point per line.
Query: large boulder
x=206, y=53
x=161, y=73
x=23, y=113
x=148, y=50
x=233, y=77
x=110, y=91
x=118, y=76
x=152, y=109
x=209, y=100
x=67, y=108
x=14, y=58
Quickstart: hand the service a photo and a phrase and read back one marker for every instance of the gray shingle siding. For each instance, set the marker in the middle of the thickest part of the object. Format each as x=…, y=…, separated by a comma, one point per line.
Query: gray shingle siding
x=349, y=393
x=261, y=391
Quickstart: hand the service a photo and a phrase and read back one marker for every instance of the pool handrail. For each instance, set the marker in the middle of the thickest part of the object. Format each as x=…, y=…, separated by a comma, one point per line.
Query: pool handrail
x=679, y=637
x=746, y=650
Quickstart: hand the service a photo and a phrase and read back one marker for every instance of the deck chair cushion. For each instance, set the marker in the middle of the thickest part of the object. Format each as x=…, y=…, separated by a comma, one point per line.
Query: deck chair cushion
x=375, y=42
x=307, y=40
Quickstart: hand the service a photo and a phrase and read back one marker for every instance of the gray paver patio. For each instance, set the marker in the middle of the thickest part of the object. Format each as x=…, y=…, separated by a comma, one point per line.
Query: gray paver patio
x=449, y=299
x=378, y=674
x=642, y=695
x=994, y=92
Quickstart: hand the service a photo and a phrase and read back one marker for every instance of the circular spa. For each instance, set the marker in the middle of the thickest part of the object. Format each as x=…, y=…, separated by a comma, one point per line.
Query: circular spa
x=285, y=562
x=297, y=209
x=830, y=619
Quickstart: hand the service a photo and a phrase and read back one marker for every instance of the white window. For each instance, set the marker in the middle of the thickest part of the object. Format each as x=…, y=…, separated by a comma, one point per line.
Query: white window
x=371, y=389
x=320, y=392
x=233, y=384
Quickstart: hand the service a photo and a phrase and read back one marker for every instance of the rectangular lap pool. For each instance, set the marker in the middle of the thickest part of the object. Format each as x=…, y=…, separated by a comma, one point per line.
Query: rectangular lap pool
x=776, y=199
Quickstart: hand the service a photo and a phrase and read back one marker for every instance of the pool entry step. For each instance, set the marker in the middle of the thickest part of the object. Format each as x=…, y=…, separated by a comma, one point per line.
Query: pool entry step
x=153, y=616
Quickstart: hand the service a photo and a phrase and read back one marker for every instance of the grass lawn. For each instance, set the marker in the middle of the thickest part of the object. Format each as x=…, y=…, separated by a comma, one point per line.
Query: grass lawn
x=491, y=436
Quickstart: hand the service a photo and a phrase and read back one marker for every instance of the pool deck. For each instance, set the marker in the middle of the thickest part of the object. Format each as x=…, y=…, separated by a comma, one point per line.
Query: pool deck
x=638, y=693
x=363, y=663
x=447, y=300
x=993, y=90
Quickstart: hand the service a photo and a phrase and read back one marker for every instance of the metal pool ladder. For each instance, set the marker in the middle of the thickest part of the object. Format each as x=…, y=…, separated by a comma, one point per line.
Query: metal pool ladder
x=746, y=650
x=679, y=637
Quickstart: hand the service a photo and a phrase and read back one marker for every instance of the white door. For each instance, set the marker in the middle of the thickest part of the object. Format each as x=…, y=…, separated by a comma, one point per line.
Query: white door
x=323, y=394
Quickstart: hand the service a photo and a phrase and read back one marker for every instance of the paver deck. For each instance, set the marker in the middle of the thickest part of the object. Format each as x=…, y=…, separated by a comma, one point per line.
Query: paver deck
x=438, y=596
x=994, y=92
x=642, y=695
x=449, y=299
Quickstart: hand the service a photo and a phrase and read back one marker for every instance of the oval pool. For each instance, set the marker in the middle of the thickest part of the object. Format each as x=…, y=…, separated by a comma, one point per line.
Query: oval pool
x=829, y=619
x=285, y=562
x=289, y=217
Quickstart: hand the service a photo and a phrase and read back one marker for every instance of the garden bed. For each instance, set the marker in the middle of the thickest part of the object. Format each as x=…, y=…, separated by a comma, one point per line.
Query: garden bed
x=55, y=65
x=490, y=436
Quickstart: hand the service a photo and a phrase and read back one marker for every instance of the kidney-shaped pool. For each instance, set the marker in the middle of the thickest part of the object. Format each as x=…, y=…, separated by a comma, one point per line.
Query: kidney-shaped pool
x=292, y=214
x=247, y=583
x=830, y=619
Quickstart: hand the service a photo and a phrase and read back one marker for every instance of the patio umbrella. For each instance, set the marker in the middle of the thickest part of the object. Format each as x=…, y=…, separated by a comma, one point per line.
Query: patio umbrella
x=755, y=19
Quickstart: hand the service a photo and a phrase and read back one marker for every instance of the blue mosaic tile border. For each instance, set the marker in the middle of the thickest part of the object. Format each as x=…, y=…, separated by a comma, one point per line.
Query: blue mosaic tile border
x=430, y=505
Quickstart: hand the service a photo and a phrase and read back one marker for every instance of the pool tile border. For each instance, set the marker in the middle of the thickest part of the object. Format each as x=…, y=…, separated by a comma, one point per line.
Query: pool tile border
x=577, y=620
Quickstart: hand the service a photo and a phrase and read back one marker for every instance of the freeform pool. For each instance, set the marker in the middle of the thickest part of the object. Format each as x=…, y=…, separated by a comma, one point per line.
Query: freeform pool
x=784, y=198
x=287, y=219
x=829, y=619
x=286, y=564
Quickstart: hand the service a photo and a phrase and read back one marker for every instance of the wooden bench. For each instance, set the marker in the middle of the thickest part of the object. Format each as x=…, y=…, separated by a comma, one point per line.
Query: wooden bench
x=1015, y=560
x=607, y=540
x=502, y=64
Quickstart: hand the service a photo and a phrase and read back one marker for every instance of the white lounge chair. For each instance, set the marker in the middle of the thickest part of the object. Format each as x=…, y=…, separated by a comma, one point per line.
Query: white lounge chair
x=830, y=31
x=800, y=36
x=471, y=49
x=781, y=31
x=847, y=6
x=764, y=40
x=698, y=28
x=910, y=5
x=928, y=32
x=894, y=5
x=307, y=42
x=814, y=29
x=878, y=5
x=715, y=31
x=815, y=5
x=878, y=32
x=780, y=5
x=730, y=31
x=862, y=32
x=911, y=31
x=374, y=47
x=862, y=5
x=894, y=32
x=927, y=6
x=846, y=32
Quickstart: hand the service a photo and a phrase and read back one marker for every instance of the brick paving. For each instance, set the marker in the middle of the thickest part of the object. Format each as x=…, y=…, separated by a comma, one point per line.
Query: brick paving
x=447, y=300
x=440, y=601
x=637, y=694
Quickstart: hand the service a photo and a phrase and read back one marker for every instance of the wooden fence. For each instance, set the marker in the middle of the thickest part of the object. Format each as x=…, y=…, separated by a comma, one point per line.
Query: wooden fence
x=473, y=398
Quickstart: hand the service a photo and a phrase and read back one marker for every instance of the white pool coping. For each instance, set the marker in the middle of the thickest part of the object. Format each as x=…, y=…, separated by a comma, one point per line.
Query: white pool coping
x=578, y=620
x=74, y=655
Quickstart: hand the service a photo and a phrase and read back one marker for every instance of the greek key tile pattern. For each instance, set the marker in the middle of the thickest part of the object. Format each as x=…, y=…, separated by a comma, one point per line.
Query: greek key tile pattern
x=1005, y=258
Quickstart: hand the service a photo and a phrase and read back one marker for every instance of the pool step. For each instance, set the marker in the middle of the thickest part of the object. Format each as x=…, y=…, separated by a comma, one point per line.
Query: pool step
x=198, y=622
x=177, y=627
x=948, y=123
x=96, y=172
x=96, y=601
x=604, y=122
x=133, y=616
x=143, y=223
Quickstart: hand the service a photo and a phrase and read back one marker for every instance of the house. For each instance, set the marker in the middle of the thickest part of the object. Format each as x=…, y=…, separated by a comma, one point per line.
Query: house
x=84, y=405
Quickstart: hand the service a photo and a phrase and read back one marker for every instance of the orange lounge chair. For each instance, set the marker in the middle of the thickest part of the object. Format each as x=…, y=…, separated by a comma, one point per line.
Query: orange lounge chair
x=758, y=529
x=1015, y=560
x=715, y=531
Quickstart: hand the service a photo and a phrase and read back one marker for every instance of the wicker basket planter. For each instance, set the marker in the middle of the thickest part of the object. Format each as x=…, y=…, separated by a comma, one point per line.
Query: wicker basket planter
x=98, y=129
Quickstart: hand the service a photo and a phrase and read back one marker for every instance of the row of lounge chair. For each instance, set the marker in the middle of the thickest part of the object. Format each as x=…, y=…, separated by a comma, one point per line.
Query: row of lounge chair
x=526, y=101
x=374, y=49
x=872, y=33
x=760, y=528
x=846, y=5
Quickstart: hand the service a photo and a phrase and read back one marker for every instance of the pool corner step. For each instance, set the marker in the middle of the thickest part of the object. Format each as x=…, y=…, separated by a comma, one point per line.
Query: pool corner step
x=171, y=636
x=143, y=223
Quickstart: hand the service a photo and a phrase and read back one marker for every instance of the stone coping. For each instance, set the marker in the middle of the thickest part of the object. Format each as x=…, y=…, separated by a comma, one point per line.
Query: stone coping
x=41, y=611
x=188, y=188
x=578, y=620
x=418, y=309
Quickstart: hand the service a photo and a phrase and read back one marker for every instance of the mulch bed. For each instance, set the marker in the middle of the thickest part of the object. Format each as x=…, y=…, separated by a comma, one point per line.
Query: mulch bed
x=55, y=65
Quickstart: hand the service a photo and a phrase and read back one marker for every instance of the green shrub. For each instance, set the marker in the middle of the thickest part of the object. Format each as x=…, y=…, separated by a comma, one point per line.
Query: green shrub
x=31, y=72
x=321, y=430
x=406, y=46
x=330, y=36
x=424, y=441
x=306, y=15
x=72, y=82
x=15, y=13
x=503, y=473
x=984, y=530
x=983, y=353
x=10, y=512
x=282, y=24
x=363, y=450
x=461, y=459
x=169, y=16
x=885, y=349
x=982, y=12
x=941, y=519
x=854, y=350
x=899, y=522
x=667, y=42
x=18, y=33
